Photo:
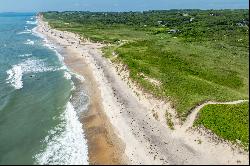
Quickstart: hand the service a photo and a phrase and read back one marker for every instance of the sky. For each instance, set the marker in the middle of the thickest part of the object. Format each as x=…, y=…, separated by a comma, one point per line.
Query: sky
x=116, y=5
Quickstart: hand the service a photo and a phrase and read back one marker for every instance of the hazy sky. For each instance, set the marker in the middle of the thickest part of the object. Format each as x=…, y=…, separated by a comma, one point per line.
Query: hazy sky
x=116, y=5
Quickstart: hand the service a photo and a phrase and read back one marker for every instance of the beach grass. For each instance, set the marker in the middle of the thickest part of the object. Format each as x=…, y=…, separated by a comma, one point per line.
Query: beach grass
x=207, y=60
x=230, y=122
x=189, y=73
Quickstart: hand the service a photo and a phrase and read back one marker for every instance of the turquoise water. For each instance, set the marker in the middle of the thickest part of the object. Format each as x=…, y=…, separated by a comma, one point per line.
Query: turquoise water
x=38, y=124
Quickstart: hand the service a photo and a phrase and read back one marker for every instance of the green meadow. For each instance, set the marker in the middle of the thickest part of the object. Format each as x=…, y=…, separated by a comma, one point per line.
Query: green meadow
x=230, y=122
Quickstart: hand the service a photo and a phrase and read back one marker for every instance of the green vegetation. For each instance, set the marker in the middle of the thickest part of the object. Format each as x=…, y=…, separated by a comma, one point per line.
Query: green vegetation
x=230, y=122
x=169, y=120
x=196, y=55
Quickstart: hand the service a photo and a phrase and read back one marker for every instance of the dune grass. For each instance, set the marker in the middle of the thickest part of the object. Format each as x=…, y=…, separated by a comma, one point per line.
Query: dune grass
x=230, y=122
x=189, y=73
x=203, y=62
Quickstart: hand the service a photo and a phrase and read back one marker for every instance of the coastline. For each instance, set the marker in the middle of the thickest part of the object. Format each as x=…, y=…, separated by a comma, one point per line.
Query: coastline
x=120, y=126
x=102, y=142
x=103, y=145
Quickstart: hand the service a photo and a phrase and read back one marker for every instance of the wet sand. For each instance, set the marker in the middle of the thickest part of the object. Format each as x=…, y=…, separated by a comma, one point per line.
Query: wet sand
x=104, y=146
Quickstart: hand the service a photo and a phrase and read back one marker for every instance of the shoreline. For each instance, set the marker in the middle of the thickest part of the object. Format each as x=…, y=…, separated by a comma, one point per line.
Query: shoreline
x=136, y=136
x=98, y=131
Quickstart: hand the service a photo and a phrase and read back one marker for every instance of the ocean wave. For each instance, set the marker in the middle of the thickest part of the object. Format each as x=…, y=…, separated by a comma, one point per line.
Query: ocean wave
x=48, y=44
x=35, y=33
x=66, y=143
x=80, y=77
x=25, y=55
x=29, y=42
x=31, y=22
x=26, y=31
x=69, y=147
x=30, y=65
x=15, y=77
x=51, y=46
x=67, y=75
x=60, y=57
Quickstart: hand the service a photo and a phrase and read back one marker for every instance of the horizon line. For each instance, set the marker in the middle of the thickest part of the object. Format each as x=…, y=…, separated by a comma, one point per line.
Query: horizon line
x=122, y=11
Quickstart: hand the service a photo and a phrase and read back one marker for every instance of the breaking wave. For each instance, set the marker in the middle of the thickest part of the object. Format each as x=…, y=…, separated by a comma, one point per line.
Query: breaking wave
x=29, y=42
x=25, y=55
x=30, y=65
x=15, y=77
x=66, y=144
x=26, y=31
x=31, y=22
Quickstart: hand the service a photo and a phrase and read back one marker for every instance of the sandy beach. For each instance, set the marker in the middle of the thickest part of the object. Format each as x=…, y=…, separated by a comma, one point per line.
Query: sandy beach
x=121, y=125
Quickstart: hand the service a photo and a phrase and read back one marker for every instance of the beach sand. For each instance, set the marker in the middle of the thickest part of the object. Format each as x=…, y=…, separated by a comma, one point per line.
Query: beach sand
x=120, y=125
x=104, y=146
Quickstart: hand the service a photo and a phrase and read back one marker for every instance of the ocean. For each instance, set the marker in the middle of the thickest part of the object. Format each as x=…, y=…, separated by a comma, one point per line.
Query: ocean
x=39, y=120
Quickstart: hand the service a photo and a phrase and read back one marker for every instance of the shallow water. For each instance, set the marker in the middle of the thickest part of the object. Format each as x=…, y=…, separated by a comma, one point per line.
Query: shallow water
x=38, y=122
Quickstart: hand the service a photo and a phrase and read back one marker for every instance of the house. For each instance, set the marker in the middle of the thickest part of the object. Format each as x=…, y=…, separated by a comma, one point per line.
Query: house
x=173, y=31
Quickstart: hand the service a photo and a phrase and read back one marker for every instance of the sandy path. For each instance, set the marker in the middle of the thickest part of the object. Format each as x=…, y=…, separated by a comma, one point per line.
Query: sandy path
x=147, y=141
x=191, y=118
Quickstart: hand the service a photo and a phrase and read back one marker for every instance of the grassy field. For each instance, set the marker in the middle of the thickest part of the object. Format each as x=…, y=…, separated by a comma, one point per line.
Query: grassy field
x=206, y=59
x=189, y=73
x=230, y=122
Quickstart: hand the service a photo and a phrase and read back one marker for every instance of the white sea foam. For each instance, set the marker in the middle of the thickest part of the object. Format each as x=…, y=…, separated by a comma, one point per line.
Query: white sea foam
x=66, y=143
x=67, y=75
x=60, y=57
x=64, y=68
x=26, y=31
x=49, y=44
x=29, y=42
x=36, y=66
x=25, y=55
x=30, y=65
x=52, y=47
x=34, y=32
x=73, y=86
x=15, y=77
x=80, y=77
x=31, y=22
